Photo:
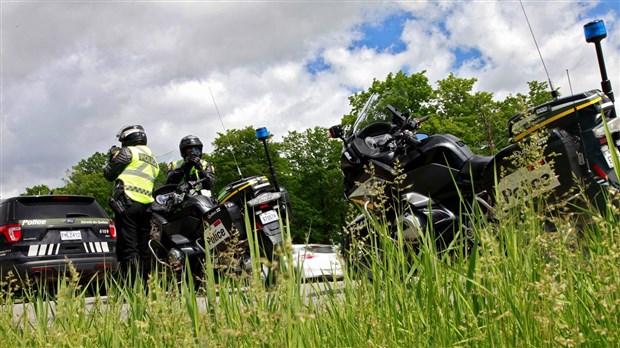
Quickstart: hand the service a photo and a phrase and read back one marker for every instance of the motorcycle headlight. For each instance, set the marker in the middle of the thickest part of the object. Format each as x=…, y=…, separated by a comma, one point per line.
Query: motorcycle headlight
x=264, y=198
x=176, y=258
x=163, y=199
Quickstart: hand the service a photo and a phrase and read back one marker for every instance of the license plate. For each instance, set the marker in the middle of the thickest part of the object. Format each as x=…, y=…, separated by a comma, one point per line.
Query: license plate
x=268, y=217
x=542, y=180
x=71, y=235
x=607, y=155
x=216, y=233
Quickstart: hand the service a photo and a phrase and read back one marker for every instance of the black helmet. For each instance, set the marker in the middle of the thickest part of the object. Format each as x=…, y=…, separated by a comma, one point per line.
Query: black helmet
x=132, y=135
x=190, y=141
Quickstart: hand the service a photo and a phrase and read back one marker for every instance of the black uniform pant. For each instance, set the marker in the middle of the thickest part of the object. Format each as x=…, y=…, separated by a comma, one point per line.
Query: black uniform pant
x=133, y=232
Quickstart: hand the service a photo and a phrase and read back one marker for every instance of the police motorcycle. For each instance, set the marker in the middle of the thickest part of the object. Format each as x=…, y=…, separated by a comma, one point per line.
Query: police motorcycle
x=177, y=227
x=252, y=212
x=413, y=181
x=250, y=219
x=188, y=225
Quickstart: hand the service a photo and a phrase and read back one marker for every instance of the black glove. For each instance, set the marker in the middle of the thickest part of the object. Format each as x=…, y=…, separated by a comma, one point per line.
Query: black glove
x=112, y=151
x=192, y=161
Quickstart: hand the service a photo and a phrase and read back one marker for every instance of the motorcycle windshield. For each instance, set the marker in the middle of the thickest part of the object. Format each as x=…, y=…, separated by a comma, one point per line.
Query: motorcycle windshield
x=374, y=112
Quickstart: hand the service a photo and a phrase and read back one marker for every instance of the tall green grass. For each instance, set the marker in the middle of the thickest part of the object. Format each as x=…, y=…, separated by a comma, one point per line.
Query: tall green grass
x=517, y=286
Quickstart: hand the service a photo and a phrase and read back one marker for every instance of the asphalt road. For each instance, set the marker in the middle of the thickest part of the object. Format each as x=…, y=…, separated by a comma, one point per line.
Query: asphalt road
x=311, y=290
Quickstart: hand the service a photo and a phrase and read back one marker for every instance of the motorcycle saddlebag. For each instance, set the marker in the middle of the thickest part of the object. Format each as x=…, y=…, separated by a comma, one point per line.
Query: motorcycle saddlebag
x=566, y=113
x=225, y=223
x=563, y=149
x=555, y=175
x=242, y=190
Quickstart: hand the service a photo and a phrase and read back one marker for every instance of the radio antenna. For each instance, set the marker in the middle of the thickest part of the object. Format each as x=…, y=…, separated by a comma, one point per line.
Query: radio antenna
x=226, y=135
x=554, y=92
x=582, y=159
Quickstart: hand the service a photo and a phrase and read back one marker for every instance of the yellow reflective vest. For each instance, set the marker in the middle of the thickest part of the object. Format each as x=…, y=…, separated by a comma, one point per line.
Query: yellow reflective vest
x=139, y=175
x=193, y=172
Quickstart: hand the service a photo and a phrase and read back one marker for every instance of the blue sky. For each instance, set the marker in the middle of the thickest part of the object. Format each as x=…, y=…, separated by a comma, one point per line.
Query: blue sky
x=385, y=36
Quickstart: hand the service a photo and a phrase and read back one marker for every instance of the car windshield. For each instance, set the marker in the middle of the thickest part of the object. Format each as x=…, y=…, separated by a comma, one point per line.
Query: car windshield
x=309, y=248
x=373, y=112
x=321, y=249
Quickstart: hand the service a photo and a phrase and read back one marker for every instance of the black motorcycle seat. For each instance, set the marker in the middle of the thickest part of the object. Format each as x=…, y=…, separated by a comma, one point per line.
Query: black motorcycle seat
x=167, y=188
x=385, y=157
x=475, y=167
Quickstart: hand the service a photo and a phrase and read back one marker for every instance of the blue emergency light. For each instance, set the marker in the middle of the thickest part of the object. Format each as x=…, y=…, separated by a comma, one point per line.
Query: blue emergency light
x=595, y=31
x=262, y=134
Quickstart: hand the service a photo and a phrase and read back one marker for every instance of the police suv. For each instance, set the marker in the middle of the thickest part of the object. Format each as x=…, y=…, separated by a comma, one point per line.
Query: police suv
x=41, y=235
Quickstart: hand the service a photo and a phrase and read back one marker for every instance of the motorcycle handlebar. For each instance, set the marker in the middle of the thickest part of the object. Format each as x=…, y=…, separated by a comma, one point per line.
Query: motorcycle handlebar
x=186, y=186
x=423, y=119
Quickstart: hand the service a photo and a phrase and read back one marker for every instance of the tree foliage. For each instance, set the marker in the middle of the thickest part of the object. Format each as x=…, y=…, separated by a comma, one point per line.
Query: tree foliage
x=407, y=93
x=471, y=116
x=37, y=190
x=314, y=182
x=86, y=178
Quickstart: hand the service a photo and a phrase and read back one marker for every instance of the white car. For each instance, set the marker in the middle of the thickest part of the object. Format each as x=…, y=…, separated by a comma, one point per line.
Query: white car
x=317, y=261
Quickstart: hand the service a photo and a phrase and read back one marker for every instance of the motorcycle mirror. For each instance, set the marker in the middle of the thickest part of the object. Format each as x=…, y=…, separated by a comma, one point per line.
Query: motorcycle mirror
x=421, y=136
x=336, y=132
x=398, y=118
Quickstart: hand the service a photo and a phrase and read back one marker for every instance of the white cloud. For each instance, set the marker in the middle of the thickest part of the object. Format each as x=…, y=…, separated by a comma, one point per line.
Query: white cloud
x=74, y=73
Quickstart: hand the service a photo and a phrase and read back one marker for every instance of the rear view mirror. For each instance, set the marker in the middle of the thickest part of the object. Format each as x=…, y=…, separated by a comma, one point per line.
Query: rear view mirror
x=336, y=132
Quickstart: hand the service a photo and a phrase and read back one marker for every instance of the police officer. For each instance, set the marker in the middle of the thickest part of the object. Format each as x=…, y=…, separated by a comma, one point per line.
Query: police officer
x=191, y=166
x=134, y=169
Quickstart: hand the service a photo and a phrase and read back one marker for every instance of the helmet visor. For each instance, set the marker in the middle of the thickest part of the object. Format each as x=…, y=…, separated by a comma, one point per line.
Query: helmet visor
x=194, y=151
x=126, y=130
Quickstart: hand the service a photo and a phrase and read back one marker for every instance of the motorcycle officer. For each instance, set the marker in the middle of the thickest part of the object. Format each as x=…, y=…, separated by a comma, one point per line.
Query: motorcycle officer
x=133, y=168
x=191, y=166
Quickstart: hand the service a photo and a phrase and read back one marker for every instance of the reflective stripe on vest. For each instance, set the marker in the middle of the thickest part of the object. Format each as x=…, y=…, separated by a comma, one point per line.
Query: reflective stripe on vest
x=139, y=175
x=192, y=171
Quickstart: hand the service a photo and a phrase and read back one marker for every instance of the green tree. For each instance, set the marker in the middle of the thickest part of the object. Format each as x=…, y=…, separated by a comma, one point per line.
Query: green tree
x=86, y=178
x=471, y=116
x=37, y=190
x=314, y=181
x=538, y=93
x=406, y=93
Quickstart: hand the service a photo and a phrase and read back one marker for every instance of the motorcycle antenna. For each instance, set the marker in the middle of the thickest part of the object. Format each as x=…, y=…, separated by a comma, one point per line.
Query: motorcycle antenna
x=554, y=92
x=229, y=143
x=583, y=159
